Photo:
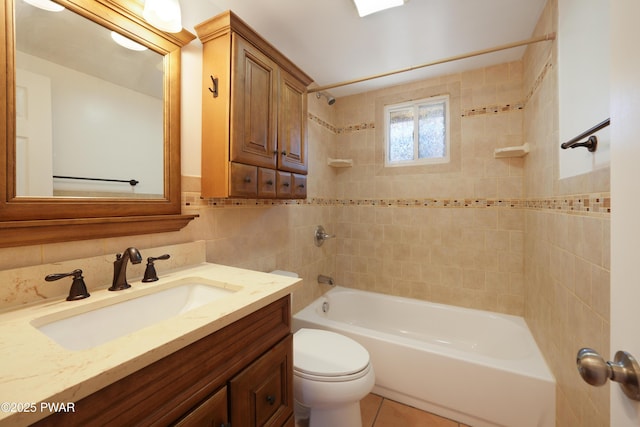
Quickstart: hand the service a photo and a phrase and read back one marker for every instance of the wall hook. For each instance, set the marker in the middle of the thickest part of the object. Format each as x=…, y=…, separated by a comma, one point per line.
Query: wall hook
x=214, y=83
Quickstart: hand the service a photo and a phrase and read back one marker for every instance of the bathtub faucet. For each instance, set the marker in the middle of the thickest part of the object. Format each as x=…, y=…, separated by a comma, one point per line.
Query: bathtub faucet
x=325, y=279
x=320, y=236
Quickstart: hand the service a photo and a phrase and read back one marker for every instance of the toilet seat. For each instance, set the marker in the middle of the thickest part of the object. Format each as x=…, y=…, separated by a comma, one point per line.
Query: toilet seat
x=321, y=355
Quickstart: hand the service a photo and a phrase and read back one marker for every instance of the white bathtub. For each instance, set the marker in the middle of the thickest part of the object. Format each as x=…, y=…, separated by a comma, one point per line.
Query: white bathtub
x=473, y=366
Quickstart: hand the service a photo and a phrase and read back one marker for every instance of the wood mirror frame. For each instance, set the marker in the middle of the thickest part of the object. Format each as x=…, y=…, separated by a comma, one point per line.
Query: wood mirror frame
x=28, y=221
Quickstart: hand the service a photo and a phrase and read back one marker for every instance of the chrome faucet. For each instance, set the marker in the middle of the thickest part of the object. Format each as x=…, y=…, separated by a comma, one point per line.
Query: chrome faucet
x=120, y=268
x=320, y=235
x=325, y=279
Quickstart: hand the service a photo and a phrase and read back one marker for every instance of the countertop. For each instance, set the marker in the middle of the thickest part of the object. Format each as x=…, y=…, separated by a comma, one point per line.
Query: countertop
x=36, y=373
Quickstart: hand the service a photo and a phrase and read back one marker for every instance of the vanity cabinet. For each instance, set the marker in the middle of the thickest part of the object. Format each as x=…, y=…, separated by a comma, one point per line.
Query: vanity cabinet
x=254, y=115
x=240, y=375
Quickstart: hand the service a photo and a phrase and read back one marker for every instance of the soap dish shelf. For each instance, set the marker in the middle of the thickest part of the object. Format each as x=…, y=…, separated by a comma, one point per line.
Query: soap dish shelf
x=517, y=151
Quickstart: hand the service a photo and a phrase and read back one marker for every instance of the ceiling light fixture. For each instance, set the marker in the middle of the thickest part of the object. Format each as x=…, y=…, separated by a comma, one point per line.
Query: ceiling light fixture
x=163, y=14
x=47, y=5
x=127, y=42
x=367, y=7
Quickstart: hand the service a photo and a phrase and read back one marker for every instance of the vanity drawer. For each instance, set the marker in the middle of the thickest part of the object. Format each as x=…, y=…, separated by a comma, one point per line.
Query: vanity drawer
x=262, y=394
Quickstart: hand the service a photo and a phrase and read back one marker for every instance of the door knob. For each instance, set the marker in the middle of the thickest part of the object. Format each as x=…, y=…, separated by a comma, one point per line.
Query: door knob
x=624, y=370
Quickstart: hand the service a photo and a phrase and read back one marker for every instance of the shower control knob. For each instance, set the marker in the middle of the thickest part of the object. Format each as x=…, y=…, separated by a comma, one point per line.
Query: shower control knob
x=624, y=369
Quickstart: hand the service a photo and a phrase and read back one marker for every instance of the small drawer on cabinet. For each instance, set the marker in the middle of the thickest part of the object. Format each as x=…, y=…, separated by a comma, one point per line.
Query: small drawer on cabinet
x=266, y=183
x=299, y=186
x=243, y=180
x=284, y=185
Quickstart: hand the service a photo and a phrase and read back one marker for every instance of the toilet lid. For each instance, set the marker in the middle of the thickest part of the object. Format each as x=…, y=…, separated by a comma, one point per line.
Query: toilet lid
x=327, y=354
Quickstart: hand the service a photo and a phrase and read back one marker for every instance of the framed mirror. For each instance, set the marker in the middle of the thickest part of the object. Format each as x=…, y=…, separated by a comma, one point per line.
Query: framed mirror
x=92, y=141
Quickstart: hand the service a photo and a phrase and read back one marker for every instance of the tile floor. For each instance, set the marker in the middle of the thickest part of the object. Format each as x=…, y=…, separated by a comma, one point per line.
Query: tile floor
x=380, y=412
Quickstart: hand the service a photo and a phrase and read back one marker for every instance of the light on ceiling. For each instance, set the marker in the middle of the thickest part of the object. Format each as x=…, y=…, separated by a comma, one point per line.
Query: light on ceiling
x=126, y=42
x=163, y=14
x=47, y=5
x=367, y=7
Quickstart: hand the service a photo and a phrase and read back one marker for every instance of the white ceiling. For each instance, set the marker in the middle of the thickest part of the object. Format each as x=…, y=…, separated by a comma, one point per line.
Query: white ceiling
x=331, y=43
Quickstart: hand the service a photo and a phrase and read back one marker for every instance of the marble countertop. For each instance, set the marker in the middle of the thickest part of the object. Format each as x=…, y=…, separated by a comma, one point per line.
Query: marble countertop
x=36, y=373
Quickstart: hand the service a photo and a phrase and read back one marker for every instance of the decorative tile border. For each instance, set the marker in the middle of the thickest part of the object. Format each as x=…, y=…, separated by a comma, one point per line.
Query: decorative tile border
x=322, y=123
x=595, y=203
x=536, y=84
x=336, y=130
x=355, y=128
x=493, y=109
x=599, y=204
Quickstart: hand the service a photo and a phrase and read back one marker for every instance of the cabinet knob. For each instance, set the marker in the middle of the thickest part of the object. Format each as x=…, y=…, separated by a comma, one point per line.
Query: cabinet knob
x=247, y=179
x=286, y=184
x=301, y=185
x=284, y=152
x=275, y=152
x=269, y=182
x=271, y=399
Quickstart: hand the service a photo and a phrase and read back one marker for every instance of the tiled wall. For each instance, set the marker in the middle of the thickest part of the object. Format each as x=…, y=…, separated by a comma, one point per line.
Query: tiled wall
x=566, y=262
x=452, y=233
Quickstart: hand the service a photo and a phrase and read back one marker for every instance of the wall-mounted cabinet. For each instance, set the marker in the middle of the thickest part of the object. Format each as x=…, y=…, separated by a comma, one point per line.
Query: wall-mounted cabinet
x=254, y=115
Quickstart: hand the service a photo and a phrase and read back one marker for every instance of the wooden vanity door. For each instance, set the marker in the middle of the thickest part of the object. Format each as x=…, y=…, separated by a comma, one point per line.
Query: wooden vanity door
x=262, y=394
x=253, y=106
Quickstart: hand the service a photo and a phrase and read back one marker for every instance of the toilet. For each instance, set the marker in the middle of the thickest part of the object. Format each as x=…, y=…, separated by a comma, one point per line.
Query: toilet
x=331, y=374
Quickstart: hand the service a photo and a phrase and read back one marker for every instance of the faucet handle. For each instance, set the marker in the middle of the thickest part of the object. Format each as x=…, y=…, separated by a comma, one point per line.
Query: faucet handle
x=150, y=274
x=78, y=288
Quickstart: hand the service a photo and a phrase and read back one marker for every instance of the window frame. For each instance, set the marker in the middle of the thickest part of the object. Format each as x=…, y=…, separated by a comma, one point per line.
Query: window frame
x=415, y=104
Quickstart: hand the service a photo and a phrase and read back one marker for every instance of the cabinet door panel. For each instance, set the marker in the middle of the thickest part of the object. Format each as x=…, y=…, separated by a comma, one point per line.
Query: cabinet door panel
x=212, y=412
x=262, y=394
x=292, y=125
x=253, y=106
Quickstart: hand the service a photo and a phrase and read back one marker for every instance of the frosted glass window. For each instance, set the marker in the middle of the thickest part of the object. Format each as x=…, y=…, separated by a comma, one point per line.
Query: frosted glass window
x=417, y=132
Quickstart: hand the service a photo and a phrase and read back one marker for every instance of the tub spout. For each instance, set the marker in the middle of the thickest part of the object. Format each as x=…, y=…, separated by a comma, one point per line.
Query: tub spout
x=325, y=279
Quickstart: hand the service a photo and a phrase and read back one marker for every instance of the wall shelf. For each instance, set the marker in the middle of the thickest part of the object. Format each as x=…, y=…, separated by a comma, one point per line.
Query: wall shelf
x=517, y=151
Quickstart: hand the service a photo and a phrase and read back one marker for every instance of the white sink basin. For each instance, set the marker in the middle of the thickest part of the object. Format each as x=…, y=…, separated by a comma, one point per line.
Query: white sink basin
x=103, y=324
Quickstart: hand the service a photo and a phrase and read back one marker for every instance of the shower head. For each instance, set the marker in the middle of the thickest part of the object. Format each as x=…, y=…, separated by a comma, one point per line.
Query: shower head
x=330, y=99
